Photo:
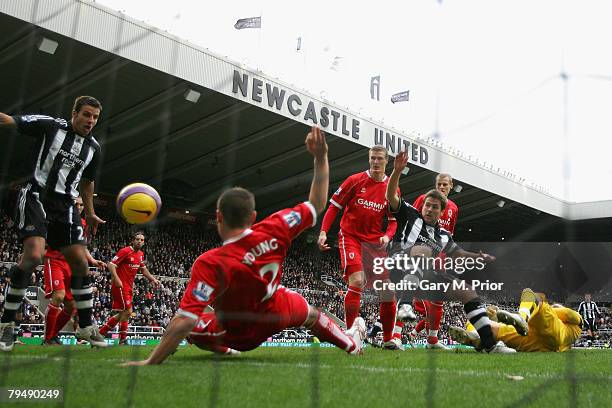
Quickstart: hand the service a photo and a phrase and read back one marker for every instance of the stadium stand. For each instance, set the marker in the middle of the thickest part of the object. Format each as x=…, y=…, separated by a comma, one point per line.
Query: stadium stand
x=170, y=250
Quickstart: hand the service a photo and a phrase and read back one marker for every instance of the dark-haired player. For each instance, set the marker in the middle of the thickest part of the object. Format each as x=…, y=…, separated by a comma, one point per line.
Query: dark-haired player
x=57, y=277
x=420, y=231
x=433, y=310
x=124, y=266
x=63, y=163
x=361, y=238
x=241, y=279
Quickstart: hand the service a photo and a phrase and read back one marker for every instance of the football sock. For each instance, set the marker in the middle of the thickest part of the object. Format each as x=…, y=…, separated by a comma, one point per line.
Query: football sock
x=82, y=292
x=352, y=302
x=387, y=318
x=397, y=330
x=123, y=327
x=60, y=322
x=528, y=305
x=326, y=330
x=108, y=326
x=421, y=325
x=51, y=320
x=15, y=293
x=434, y=314
x=477, y=315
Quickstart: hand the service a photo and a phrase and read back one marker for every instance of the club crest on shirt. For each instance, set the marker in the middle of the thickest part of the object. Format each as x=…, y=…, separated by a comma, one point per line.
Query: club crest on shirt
x=293, y=219
x=202, y=292
x=363, y=190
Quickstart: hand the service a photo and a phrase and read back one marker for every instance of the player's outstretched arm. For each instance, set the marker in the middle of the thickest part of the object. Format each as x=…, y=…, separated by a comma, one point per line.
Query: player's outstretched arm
x=462, y=253
x=317, y=146
x=94, y=262
x=6, y=120
x=178, y=329
x=152, y=280
x=399, y=164
x=86, y=188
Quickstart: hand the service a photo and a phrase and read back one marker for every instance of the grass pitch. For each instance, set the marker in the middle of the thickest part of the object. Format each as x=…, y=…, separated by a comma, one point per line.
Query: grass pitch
x=302, y=377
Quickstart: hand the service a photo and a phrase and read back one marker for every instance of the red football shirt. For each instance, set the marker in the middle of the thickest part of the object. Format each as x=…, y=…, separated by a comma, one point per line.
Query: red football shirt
x=448, y=218
x=365, y=206
x=243, y=274
x=56, y=253
x=128, y=262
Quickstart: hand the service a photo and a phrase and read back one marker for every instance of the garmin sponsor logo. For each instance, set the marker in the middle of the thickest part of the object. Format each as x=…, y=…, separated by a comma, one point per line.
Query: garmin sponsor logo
x=373, y=205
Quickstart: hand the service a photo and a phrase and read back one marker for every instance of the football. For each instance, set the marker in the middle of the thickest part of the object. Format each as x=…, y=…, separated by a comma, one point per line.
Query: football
x=138, y=203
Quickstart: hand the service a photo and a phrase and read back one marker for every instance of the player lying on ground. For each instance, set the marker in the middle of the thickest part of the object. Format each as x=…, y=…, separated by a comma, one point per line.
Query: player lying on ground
x=421, y=231
x=241, y=279
x=538, y=326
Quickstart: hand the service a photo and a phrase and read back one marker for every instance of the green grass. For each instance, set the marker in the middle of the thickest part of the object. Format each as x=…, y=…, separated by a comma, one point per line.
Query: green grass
x=269, y=377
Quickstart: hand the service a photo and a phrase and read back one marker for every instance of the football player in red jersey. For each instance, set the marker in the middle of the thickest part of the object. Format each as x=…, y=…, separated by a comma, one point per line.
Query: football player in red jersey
x=57, y=276
x=241, y=279
x=361, y=238
x=433, y=310
x=124, y=266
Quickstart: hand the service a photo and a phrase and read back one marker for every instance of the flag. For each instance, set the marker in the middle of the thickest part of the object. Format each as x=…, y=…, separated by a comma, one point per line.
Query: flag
x=336, y=63
x=251, y=22
x=375, y=88
x=400, y=97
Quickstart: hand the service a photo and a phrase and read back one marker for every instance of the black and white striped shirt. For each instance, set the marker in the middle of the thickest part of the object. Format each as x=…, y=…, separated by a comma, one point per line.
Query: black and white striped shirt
x=61, y=157
x=588, y=310
x=412, y=230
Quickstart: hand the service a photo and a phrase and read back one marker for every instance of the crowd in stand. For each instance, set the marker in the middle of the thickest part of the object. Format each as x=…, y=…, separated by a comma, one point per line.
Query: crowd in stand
x=170, y=249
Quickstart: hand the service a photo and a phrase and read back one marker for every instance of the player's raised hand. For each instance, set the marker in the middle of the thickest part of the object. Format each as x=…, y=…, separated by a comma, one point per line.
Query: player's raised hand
x=401, y=161
x=486, y=257
x=322, y=242
x=315, y=142
x=93, y=221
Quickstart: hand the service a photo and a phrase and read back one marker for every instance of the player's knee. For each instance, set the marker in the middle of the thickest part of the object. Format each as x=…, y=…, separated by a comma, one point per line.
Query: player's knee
x=79, y=267
x=33, y=253
x=30, y=260
x=57, y=297
x=357, y=280
x=313, y=314
x=70, y=307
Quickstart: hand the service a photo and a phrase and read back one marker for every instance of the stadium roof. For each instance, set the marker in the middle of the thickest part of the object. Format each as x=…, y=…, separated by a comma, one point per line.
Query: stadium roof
x=233, y=131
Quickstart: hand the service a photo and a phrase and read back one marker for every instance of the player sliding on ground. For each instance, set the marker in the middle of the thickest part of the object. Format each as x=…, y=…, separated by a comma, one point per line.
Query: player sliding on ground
x=538, y=326
x=241, y=279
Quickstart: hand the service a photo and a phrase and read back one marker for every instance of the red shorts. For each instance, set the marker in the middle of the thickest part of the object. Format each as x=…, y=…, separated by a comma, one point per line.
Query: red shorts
x=122, y=297
x=57, y=277
x=358, y=256
x=285, y=309
x=421, y=305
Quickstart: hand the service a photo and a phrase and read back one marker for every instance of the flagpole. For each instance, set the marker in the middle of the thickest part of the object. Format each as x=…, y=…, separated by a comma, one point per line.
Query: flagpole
x=260, y=40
